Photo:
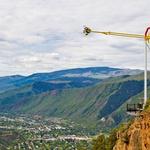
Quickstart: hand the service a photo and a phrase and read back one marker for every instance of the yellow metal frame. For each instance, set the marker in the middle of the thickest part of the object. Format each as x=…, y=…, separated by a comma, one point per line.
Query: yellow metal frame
x=87, y=31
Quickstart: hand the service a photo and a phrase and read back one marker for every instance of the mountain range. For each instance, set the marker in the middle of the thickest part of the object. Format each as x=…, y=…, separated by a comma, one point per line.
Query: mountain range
x=94, y=96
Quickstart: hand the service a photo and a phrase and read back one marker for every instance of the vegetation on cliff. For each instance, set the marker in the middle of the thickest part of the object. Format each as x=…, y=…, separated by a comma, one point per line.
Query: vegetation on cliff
x=104, y=142
x=132, y=135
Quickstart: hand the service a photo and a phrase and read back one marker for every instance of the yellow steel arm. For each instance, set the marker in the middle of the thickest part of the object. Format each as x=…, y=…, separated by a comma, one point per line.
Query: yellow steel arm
x=88, y=30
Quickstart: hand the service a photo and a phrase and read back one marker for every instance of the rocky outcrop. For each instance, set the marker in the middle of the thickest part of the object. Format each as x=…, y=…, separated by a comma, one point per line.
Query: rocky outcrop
x=135, y=136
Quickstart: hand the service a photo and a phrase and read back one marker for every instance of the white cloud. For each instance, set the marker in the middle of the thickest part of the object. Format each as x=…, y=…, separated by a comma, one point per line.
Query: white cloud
x=46, y=35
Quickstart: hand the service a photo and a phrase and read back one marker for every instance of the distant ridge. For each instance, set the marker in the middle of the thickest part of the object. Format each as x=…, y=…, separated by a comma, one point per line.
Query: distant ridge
x=96, y=95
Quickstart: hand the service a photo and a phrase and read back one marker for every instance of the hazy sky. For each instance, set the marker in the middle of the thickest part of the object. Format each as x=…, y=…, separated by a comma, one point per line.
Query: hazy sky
x=46, y=35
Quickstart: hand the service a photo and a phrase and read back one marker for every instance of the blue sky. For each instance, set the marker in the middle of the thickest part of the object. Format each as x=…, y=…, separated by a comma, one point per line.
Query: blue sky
x=46, y=35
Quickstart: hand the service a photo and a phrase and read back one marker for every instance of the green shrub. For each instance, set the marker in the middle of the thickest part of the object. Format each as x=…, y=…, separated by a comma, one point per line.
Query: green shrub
x=99, y=143
x=105, y=143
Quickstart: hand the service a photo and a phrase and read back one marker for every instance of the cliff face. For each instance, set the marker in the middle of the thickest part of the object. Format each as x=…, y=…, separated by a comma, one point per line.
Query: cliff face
x=136, y=136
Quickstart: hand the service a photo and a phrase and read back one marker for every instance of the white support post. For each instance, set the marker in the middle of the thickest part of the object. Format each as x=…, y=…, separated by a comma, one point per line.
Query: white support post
x=145, y=75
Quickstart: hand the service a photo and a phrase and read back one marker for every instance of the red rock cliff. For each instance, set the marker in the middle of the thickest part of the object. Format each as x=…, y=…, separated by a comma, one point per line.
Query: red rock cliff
x=136, y=136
